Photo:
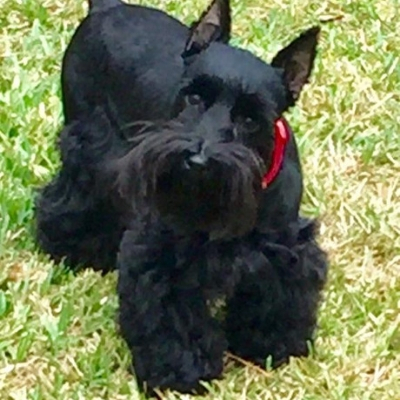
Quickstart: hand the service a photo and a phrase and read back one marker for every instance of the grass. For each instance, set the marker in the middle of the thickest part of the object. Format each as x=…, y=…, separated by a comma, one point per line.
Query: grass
x=58, y=338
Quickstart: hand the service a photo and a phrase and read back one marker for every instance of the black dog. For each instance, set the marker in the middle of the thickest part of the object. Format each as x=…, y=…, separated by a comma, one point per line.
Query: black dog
x=175, y=142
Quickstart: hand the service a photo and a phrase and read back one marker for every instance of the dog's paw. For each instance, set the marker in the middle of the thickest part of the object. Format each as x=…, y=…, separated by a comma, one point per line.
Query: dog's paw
x=187, y=377
x=173, y=382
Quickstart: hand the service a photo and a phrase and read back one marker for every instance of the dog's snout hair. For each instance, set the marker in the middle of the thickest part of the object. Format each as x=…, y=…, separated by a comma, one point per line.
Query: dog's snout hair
x=156, y=171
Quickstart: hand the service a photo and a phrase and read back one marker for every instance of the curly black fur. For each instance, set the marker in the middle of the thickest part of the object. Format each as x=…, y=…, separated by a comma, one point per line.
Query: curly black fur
x=272, y=293
x=78, y=220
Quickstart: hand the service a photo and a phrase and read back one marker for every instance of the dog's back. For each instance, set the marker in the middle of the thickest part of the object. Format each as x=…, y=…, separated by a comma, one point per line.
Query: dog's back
x=132, y=69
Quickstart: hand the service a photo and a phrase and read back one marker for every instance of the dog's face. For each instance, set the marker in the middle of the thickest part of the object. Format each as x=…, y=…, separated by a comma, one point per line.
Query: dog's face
x=203, y=170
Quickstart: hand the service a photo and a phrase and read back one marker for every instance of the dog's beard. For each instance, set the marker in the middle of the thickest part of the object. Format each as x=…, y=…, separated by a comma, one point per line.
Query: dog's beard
x=221, y=199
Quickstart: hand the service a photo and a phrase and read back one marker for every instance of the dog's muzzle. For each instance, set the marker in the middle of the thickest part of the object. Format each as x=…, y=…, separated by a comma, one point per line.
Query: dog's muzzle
x=196, y=185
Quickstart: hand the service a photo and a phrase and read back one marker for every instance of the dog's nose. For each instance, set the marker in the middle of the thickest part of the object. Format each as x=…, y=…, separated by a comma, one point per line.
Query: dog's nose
x=196, y=156
x=196, y=161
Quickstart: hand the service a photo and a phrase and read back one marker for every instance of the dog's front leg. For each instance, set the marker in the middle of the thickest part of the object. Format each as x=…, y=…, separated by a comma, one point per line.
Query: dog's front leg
x=274, y=309
x=174, y=342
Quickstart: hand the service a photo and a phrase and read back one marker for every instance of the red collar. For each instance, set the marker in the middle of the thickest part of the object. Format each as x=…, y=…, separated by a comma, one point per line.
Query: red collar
x=282, y=135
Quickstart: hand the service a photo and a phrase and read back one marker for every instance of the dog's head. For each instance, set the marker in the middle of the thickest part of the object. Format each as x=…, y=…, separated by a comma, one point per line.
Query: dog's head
x=203, y=170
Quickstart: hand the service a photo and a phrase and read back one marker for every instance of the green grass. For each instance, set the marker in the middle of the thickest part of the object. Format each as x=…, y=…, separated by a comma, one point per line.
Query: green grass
x=58, y=338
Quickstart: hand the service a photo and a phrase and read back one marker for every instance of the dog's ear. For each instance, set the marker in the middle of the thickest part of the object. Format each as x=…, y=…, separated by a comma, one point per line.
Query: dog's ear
x=214, y=25
x=297, y=60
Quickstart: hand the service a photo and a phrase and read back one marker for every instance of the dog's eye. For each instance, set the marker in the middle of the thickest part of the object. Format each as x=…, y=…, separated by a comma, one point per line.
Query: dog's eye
x=194, y=99
x=250, y=125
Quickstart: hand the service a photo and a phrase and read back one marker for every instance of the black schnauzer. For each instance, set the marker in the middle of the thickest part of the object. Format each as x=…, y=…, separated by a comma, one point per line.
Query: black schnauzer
x=176, y=157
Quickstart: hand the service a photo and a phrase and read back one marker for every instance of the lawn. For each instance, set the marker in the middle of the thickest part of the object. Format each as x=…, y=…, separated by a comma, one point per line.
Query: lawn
x=58, y=338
